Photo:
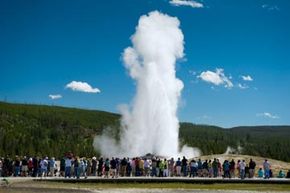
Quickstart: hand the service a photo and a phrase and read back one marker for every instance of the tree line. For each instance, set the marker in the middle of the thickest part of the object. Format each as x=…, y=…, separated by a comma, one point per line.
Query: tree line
x=52, y=130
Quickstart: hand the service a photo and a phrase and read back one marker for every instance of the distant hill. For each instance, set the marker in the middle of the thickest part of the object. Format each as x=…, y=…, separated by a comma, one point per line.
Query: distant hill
x=53, y=130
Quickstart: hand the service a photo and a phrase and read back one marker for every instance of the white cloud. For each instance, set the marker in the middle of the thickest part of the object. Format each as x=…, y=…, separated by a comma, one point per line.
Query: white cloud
x=54, y=96
x=191, y=3
x=271, y=7
x=242, y=86
x=82, y=87
x=247, y=78
x=217, y=78
x=268, y=115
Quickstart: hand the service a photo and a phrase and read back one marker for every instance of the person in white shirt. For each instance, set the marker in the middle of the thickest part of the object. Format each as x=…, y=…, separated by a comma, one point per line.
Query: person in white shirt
x=242, y=165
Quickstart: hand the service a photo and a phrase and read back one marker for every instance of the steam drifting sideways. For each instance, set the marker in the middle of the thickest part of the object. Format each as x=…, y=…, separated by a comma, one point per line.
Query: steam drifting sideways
x=151, y=125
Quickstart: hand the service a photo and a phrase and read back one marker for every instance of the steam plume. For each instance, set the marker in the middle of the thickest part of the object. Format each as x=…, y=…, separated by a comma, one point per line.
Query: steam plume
x=150, y=125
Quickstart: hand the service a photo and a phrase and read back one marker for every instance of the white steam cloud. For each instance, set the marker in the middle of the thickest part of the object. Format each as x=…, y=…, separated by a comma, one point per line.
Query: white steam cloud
x=150, y=125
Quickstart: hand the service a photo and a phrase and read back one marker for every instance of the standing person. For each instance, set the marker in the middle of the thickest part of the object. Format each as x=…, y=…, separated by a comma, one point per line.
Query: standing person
x=100, y=166
x=113, y=165
x=154, y=168
x=267, y=167
x=205, y=169
x=128, y=168
x=62, y=167
x=1, y=167
x=94, y=166
x=165, y=170
x=43, y=166
x=146, y=167
x=193, y=168
x=107, y=168
x=30, y=166
x=133, y=166
x=123, y=167
x=171, y=167
x=89, y=167
x=161, y=168
x=68, y=164
x=238, y=168
x=215, y=168
x=184, y=166
x=226, y=168
x=242, y=166
x=17, y=166
x=141, y=166
x=24, y=166
x=52, y=167
x=252, y=166
x=232, y=168
x=35, y=162
x=219, y=167
x=77, y=166
x=178, y=167
x=210, y=169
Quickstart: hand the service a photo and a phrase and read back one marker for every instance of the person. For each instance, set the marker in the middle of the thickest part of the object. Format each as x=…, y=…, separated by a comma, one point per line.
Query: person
x=35, y=162
x=210, y=169
x=30, y=166
x=215, y=168
x=242, y=167
x=16, y=166
x=128, y=168
x=219, y=167
x=238, y=168
x=77, y=164
x=141, y=167
x=184, y=166
x=1, y=167
x=123, y=167
x=266, y=166
x=113, y=165
x=193, y=168
x=146, y=167
x=178, y=167
x=24, y=166
x=94, y=166
x=199, y=168
x=165, y=171
x=232, y=168
x=205, y=169
x=43, y=166
x=133, y=166
x=52, y=167
x=260, y=173
x=252, y=166
x=107, y=168
x=154, y=167
x=281, y=174
x=226, y=168
x=171, y=167
x=68, y=164
x=161, y=168
x=288, y=174
x=62, y=167
x=100, y=166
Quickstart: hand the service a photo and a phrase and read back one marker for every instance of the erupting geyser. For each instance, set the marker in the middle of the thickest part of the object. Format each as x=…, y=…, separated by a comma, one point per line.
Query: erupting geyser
x=151, y=124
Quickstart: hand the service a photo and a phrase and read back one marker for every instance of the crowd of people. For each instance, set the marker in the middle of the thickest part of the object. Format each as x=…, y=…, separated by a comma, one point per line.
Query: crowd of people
x=73, y=166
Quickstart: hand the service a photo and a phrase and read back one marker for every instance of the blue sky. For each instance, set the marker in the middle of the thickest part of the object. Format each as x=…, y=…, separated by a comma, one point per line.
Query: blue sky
x=46, y=45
